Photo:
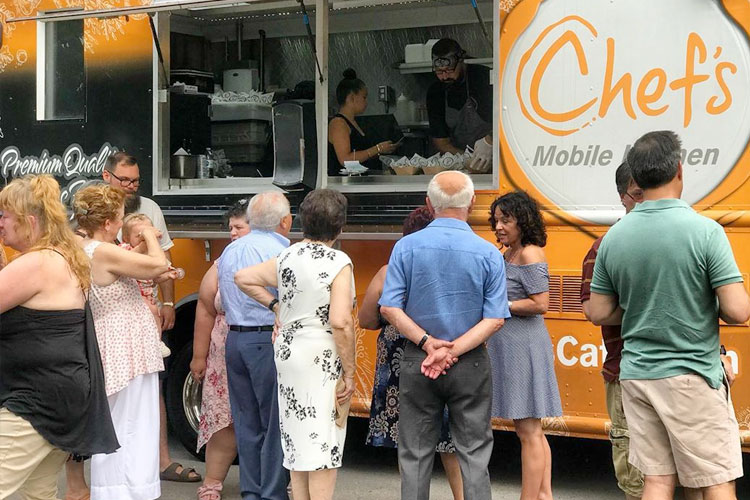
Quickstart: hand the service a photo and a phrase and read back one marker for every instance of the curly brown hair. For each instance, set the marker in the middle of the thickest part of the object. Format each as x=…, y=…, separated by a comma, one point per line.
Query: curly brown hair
x=418, y=219
x=94, y=205
x=525, y=209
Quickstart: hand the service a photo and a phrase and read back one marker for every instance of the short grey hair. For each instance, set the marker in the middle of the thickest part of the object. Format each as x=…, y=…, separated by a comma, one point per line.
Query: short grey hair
x=266, y=210
x=441, y=200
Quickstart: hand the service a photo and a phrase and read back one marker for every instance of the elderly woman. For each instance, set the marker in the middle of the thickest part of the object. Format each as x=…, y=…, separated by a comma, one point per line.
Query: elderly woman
x=523, y=372
x=315, y=352
x=215, y=429
x=129, y=344
x=52, y=394
x=383, y=428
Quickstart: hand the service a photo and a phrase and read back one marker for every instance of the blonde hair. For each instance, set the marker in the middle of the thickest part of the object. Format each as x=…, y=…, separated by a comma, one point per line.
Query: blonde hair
x=94, y=205
x=131, y=220
x=39, y=196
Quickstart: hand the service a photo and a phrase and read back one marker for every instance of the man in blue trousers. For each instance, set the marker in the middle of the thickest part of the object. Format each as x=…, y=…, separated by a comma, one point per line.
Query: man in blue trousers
x=251, y=371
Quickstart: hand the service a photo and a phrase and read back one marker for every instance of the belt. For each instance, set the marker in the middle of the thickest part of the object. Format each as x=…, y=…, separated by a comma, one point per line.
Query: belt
x=254, y=329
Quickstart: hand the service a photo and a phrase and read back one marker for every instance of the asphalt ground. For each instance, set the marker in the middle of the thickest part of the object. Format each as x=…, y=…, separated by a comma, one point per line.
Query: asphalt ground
x=581, y=470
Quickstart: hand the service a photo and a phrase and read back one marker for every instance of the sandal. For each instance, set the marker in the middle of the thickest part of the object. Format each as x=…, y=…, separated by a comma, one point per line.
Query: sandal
x=188, y=474
x=210, y=491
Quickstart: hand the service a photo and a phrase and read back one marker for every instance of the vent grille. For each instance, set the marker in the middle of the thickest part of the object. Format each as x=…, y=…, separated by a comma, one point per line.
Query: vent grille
x=565, y=294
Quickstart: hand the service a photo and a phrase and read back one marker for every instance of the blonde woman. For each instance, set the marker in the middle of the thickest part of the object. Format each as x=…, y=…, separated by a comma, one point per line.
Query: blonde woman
x=47, y=344
x=129, y=343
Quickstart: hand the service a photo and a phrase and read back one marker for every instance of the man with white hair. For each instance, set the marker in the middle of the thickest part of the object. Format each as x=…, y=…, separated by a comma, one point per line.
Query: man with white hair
x=251, y=372
x=445, y=292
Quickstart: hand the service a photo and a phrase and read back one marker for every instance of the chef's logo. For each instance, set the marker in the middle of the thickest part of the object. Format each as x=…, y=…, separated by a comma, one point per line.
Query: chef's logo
x=573, y=44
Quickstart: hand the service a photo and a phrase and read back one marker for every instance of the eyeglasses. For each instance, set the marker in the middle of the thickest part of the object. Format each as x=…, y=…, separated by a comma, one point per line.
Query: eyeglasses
x=125, y=182
x=637, y=197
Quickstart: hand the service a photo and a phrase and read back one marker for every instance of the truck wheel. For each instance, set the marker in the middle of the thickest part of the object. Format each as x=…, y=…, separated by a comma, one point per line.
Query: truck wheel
x=183, y=400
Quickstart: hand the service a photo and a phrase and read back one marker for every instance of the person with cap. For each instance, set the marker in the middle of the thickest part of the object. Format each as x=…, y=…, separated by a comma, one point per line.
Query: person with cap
x=459, y=105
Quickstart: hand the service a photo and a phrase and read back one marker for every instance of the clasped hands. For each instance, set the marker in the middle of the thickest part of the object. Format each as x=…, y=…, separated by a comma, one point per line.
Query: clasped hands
x=439, y=358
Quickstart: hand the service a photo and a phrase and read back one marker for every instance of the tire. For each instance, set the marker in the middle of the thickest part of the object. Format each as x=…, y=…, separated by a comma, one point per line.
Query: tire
x=183, y=400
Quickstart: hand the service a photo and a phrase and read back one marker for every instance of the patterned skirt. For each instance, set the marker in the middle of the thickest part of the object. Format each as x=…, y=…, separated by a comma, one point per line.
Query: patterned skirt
x=383, y=429
x=215, y=411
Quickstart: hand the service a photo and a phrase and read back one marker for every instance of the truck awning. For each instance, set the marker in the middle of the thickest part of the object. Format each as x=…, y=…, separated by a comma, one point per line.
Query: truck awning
x=155, y=6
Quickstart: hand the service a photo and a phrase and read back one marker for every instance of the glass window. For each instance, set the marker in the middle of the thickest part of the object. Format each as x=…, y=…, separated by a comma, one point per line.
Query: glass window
x=61, y=81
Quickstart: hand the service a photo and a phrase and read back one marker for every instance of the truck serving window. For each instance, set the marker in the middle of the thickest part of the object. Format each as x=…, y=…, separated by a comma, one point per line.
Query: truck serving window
x=61, y=80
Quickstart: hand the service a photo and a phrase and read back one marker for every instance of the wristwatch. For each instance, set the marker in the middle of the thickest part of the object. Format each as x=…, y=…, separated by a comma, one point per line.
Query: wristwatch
x=424, y=339
x=510, y=303
x=170, y=304
x=273, y=303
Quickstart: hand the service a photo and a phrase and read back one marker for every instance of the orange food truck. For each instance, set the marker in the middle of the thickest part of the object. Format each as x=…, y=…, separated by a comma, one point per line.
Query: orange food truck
x=237, y=84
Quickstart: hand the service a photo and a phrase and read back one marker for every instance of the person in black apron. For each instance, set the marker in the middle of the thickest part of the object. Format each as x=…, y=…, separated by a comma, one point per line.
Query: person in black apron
x=346, y=140
x=459, y=105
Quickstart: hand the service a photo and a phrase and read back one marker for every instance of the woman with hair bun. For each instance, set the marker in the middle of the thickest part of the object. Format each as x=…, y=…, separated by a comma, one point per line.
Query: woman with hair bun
x=524, y=385
x=346, y=140
x=52, y=395
x=128, y=341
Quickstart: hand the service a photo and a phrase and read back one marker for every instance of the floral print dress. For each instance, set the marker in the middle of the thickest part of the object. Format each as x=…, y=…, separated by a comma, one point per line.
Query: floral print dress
x=215, y=411
x=383, y=428
x=307, y=363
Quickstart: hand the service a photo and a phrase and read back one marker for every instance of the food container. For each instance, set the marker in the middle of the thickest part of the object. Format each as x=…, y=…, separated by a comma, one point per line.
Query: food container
x=406, y=169
x=183, y=167
x=434, y=169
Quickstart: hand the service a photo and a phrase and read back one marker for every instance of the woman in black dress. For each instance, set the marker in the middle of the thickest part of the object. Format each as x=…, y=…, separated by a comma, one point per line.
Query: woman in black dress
x=52, y=399
x=346, y=140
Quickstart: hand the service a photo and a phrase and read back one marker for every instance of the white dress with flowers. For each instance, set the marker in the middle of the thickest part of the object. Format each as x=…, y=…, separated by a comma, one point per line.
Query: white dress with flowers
x=307, y=362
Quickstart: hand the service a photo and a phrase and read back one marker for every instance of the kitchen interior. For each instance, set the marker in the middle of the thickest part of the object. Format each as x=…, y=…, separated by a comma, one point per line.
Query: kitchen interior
x=243, y=85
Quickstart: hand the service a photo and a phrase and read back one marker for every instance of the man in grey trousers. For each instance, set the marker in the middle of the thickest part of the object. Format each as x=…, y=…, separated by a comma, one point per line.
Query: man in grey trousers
x=445, y=292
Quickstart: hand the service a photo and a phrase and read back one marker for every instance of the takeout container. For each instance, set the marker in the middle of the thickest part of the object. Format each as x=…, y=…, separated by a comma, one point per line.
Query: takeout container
x=406, y=169
x=434, y=169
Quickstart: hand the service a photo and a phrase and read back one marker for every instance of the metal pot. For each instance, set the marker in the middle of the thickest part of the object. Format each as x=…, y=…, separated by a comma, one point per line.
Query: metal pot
x=183, y=167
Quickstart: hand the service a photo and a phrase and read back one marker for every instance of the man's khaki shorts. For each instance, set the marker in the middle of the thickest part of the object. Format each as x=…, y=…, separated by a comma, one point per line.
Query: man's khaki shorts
x=629, y=478
x=680, y=425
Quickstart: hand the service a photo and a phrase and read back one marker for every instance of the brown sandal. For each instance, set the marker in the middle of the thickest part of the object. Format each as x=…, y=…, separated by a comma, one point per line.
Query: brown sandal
x=170, y=474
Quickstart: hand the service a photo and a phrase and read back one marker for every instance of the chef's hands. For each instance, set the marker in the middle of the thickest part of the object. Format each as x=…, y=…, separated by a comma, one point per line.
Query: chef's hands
x=387, y=147
x=481, y=162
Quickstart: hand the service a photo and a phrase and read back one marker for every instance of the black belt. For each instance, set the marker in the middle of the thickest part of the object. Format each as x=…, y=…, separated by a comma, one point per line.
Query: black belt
x=255, y=329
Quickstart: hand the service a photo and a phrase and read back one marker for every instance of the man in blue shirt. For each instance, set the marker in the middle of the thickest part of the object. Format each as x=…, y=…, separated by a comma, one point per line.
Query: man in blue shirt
x=445, y=292
x=251, y=372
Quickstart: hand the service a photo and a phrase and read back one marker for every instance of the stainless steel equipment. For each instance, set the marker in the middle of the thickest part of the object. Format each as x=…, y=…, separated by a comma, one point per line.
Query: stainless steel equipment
x=183, y=167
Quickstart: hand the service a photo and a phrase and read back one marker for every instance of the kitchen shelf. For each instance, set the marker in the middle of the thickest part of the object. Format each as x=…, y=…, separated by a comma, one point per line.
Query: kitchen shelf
x=426, y=66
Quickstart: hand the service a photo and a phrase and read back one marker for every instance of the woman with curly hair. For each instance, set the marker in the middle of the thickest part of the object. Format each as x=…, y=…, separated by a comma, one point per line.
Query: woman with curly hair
x=52, y=398
x=523, y=373
x=129, y=344
x=383, y=429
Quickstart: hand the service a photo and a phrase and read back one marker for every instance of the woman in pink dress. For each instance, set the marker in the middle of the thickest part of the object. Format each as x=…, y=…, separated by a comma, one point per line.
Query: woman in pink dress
x=129, y=344
x=215, y=429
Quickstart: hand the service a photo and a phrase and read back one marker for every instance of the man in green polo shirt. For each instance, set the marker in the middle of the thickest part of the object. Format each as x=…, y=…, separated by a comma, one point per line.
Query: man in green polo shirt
x=659, y=273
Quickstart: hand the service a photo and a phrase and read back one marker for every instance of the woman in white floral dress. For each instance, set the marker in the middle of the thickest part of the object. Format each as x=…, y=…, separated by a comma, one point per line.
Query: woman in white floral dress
x=315, y=348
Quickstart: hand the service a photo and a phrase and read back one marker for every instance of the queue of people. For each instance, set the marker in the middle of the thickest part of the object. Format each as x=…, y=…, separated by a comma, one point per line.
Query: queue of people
x=463, y=340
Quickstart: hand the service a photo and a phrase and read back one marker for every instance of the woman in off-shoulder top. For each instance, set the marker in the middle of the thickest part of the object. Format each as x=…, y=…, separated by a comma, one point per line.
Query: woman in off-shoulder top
x=52, y=396
x=523, y=370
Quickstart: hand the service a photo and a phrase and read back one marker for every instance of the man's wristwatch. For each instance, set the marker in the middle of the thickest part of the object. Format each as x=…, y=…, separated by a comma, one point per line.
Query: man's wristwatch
x=272, y=304
x=169, y=304
x=424, y=339
x=510, y=303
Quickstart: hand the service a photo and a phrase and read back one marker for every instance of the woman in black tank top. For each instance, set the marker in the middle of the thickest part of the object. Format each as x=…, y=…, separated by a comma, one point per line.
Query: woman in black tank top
x=346, y=140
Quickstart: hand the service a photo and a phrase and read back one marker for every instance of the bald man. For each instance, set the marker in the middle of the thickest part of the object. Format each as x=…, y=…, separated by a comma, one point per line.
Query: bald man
x=445, y=292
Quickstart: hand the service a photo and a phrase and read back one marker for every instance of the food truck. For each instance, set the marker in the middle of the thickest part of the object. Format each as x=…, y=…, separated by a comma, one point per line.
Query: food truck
x=245, y=90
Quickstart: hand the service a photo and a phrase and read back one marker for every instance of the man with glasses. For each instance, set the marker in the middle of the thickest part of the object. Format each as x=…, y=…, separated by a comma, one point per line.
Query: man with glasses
x=459, y=105
x=629, y=478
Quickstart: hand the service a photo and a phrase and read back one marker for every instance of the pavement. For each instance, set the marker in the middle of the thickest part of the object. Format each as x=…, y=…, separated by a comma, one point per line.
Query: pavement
x=582, y=470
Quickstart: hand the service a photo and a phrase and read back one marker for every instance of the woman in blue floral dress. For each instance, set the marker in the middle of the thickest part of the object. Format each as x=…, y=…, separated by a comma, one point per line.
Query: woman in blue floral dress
x=383, y=430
